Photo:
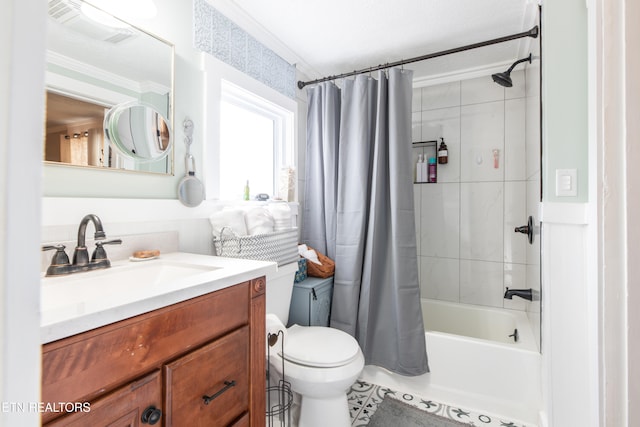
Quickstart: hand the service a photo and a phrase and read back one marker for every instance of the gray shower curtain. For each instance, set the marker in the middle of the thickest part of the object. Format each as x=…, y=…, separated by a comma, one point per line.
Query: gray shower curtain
x=358, y=192
x=321, y=168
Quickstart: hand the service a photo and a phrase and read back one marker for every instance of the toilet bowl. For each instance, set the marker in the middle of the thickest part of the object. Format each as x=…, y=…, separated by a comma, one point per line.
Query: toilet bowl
x=320, y=363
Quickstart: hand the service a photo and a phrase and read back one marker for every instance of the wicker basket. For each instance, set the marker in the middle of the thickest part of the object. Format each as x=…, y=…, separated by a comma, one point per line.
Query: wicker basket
x=279, y=246
x=325, y=270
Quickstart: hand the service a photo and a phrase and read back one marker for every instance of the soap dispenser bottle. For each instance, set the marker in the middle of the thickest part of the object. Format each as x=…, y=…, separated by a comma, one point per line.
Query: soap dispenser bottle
x=443, y=153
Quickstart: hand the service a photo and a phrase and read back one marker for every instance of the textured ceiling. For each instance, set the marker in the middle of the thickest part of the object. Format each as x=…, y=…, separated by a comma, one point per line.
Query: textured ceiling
x=334, y=36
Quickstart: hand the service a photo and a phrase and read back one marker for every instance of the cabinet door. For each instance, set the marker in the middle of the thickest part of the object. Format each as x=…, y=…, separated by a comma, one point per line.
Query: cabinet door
x=320, y=306
x=122, y=408
x=219, y=371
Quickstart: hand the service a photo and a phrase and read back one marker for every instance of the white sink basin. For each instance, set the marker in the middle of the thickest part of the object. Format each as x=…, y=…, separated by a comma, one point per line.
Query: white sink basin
x=78, y=302
x=98, y=287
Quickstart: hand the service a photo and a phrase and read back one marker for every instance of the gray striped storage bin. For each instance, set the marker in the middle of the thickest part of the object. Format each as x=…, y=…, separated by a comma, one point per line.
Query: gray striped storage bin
x=279, y=246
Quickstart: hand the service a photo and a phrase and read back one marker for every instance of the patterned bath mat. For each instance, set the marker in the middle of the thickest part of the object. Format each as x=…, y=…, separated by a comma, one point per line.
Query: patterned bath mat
x=364, y=399
x=393, y=413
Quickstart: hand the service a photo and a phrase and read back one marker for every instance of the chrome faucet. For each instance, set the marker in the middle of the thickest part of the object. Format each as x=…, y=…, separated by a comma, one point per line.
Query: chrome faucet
x=522, y=293
x=60, y=262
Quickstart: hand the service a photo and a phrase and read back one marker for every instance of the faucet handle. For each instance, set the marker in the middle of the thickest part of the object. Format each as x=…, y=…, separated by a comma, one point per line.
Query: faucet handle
x=527, y=229
x=100, y=254
x=59, y=262
x=60, y=257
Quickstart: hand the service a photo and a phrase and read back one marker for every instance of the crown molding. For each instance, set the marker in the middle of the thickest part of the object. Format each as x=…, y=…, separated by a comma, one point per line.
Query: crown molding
x=105, y=76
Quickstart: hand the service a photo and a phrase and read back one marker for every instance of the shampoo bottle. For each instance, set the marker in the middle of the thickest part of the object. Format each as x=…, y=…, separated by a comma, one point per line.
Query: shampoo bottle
x=432, y=170
x=419, y=177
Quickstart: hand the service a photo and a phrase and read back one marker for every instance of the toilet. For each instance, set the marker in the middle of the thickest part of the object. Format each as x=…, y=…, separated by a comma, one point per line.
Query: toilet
x=320, y=363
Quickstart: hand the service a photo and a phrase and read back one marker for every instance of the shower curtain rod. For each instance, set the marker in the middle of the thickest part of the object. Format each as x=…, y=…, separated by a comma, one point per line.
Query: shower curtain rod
x=531, y=33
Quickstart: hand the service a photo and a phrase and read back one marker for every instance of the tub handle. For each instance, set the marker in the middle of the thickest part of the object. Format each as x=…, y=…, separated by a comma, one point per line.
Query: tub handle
x=515, y=335
x=526, y=229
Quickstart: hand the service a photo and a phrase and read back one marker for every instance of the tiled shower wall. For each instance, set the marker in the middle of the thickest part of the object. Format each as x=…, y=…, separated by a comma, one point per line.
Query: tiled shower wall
x=467, y=247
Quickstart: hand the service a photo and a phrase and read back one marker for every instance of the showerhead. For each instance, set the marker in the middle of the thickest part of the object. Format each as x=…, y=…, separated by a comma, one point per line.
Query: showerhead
x=504, y=79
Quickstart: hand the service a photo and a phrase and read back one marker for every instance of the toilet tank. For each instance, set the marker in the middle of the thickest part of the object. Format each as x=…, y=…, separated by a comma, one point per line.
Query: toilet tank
x=279, y=289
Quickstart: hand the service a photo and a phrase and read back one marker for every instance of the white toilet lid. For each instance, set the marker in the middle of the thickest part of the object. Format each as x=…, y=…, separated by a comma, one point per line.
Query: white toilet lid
x=319, y=346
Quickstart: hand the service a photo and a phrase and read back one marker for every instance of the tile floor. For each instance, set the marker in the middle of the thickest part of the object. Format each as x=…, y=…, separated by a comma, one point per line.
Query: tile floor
x=365, y=396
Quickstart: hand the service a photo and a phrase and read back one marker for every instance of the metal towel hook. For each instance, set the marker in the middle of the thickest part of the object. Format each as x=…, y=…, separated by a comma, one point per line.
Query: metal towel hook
x=188, y=134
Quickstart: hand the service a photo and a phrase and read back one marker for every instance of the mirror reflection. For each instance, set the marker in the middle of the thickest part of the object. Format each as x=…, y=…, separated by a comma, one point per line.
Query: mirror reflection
x=92, y=66
x=74, y=132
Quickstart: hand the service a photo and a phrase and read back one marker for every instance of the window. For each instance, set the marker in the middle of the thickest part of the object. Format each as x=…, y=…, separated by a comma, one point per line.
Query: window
x=256, y=143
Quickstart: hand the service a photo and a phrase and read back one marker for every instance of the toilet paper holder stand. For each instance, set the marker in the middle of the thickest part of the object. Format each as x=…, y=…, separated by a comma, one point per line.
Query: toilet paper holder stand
x=279, y=396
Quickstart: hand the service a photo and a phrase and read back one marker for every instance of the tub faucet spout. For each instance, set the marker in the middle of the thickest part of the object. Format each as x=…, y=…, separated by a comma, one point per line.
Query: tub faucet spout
x=522, y=293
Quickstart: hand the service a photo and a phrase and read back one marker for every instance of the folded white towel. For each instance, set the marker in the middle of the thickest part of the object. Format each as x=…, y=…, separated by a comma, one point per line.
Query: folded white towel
x=281, y=213
x=233, y=219
x=259, y=221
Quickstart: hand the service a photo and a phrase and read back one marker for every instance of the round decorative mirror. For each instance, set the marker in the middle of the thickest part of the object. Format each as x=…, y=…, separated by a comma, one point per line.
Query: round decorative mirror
x=138, y=131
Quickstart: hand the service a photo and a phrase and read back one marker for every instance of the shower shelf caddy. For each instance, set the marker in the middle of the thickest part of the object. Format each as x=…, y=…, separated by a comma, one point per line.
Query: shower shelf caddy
x=429, y=144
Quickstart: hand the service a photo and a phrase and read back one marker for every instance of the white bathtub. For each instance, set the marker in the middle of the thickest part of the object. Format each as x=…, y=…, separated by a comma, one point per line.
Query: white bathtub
x=478, y=322
x=470, y=352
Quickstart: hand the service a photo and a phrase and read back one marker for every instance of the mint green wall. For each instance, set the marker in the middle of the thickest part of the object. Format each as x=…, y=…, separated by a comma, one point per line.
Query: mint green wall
x=75, y=75
x=160, y=102
x=564, y=95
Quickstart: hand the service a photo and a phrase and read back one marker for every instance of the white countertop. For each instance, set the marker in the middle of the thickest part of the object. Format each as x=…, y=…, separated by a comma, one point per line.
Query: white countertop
x=80, y=302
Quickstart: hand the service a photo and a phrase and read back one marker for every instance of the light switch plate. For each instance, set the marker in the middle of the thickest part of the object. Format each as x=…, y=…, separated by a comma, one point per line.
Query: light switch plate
x=566, y=182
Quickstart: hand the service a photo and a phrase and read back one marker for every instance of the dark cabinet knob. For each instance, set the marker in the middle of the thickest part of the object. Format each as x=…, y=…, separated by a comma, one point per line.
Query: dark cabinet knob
x=151, y=415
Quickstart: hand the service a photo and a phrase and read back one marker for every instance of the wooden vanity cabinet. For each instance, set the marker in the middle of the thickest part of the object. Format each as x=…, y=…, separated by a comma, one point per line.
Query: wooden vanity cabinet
x=122, y=407
x=200, y=362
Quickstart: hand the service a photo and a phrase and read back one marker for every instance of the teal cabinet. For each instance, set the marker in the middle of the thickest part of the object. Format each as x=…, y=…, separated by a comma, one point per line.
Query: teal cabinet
x=311, y=302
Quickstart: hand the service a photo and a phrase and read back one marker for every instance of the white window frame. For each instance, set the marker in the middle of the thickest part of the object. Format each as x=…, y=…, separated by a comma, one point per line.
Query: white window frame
x=282, y=124
x=217, y=74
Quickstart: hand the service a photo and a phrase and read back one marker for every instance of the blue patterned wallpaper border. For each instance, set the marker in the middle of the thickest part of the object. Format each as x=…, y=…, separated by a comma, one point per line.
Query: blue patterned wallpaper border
x=217, y=35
